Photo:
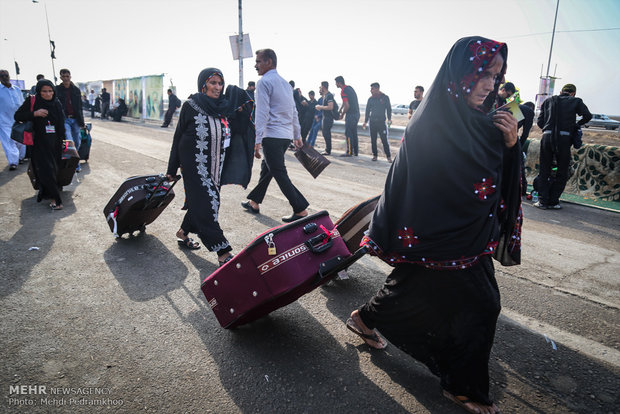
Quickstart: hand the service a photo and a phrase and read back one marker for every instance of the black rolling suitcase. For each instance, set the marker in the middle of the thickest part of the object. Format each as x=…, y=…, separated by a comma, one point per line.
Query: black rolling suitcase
x=66, y=168
x=68, y=163
x=138, y=202
x=84, y=150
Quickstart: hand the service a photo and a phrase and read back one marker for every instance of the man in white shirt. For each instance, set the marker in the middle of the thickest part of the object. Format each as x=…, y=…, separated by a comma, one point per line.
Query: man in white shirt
x=91, y=102
x=276, y=123
x=11, y=99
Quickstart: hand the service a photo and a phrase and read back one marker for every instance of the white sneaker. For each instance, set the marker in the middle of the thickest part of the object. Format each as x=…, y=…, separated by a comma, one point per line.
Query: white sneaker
x=555, y=207
x=540, y=205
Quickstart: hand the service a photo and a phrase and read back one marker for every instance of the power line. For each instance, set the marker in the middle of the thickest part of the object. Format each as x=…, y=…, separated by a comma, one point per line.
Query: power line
x=561, y=31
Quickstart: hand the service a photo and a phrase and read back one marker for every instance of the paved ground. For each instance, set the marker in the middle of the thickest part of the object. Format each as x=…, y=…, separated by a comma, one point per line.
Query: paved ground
x=123, y=324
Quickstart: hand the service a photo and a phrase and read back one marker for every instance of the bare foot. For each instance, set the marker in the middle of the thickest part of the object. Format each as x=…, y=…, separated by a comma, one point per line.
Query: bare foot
x=370, y=336
x=471, y=406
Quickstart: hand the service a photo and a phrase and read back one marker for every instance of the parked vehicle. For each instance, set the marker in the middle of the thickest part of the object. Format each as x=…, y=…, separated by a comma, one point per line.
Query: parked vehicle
x=602, y=121
x=400, y=109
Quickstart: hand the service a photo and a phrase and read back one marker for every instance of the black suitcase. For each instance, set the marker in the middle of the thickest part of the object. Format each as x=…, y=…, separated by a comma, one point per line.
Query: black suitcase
x=138, y=202
x=68, y=163
x=84, y=150
x=66, y=169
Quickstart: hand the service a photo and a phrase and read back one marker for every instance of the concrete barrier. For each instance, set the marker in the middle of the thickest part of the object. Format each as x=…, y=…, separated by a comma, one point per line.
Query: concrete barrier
x=596, y=170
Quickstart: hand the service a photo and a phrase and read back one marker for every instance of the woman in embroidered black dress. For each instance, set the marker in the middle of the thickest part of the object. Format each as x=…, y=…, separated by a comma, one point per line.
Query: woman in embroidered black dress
x=451, y=200
x=48, y=134
x=199, y=148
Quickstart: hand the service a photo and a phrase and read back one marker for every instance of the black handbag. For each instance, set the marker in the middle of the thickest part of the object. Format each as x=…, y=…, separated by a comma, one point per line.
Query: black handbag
x=22, y=131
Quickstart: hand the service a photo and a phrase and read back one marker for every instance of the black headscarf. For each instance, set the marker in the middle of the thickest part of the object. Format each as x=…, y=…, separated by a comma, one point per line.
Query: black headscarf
x=227, y=103
x=442, y=204
x=53, y=106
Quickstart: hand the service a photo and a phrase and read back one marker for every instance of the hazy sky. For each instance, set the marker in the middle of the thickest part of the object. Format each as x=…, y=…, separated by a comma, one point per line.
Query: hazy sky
x=397, y=43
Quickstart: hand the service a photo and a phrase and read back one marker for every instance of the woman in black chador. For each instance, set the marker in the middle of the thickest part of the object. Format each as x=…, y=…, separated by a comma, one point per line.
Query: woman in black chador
x=48, y=134
x=451, y=202
x=201, y=139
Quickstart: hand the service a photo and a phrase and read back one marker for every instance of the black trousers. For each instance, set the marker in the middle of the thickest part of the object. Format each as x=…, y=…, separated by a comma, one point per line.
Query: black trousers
x=551, y=188
x=168, y=117
x=326, y=130
x=350, y=131
x=273, y=167
x=381, y=129
x=105, y=108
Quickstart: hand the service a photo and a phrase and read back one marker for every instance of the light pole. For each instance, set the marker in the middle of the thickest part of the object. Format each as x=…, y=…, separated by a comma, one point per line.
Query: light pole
x=52, y=44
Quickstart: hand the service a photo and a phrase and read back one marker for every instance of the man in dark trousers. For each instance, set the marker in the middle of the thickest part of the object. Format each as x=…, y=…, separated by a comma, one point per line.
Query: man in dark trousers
x=71, y=99
x=105, y=103
x=309, y=109
x=276, y=123
x=351, y=108
x=173, y=104
x=526, y=123
x=328, y=115
x=376, y=109
x=557, y=120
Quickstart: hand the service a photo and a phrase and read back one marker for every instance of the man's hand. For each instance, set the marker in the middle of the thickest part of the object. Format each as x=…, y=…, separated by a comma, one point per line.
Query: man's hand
x=505, y=122
x=257, y=151
x=298, y=142
x=364, y=125
x=389, y=123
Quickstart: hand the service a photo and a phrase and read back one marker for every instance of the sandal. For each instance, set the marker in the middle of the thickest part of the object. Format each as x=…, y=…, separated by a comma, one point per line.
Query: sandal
x=462, y=400
x=55, y=206
x=228, y=259
x=189, y=243
x=352, y=326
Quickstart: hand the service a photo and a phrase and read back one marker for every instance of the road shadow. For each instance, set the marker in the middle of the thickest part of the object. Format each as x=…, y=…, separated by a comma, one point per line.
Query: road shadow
x=288, y=362
x=37, y=223
x=144, y=267
x=520, y=360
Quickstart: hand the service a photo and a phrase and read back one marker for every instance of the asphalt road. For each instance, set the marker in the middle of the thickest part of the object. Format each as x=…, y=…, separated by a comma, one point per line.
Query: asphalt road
x=90, y=323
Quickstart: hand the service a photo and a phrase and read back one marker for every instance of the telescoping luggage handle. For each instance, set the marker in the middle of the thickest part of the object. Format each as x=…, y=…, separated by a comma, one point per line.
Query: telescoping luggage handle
x=162, y=179
x=338, y=263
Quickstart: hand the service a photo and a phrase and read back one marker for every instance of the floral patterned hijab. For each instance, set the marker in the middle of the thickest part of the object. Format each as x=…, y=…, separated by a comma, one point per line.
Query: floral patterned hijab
x=452, y=193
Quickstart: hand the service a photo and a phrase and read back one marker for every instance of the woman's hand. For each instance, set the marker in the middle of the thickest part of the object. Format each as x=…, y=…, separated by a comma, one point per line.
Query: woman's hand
x=505, y=122
x=41, y=113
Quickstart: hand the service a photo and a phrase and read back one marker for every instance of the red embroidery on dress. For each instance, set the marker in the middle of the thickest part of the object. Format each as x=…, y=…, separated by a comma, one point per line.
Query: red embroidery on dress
x=408, y=238
x=484, y=188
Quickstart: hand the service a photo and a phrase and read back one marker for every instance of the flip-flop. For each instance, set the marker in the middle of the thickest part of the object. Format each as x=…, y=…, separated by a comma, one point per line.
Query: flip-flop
x=352, y=326
x=461, y=400
x=228, y=259
x=189, y=243
x=56, y=207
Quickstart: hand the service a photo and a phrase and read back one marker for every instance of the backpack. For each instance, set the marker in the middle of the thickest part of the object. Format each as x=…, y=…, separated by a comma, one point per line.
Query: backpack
x=335, y=112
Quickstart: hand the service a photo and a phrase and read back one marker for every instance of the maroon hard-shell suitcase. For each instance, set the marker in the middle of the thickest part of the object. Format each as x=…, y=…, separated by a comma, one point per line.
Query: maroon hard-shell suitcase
x=66, y=169
x=255, y=282
x=355, y=221
x=138, y=202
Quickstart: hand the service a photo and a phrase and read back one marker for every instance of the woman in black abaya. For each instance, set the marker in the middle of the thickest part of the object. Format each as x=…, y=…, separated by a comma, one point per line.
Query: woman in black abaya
x=48, y=133
x=451, y=201
x=201, y=138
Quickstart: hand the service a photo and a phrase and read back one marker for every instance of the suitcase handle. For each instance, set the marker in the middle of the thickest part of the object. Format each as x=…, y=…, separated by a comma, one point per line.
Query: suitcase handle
x=162, y=179
x=339, y=263
x=319, y=244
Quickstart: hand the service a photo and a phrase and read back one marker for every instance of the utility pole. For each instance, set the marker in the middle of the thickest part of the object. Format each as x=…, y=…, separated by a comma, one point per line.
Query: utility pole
x=552, y=35
x=240, y=44
x=52, y=44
